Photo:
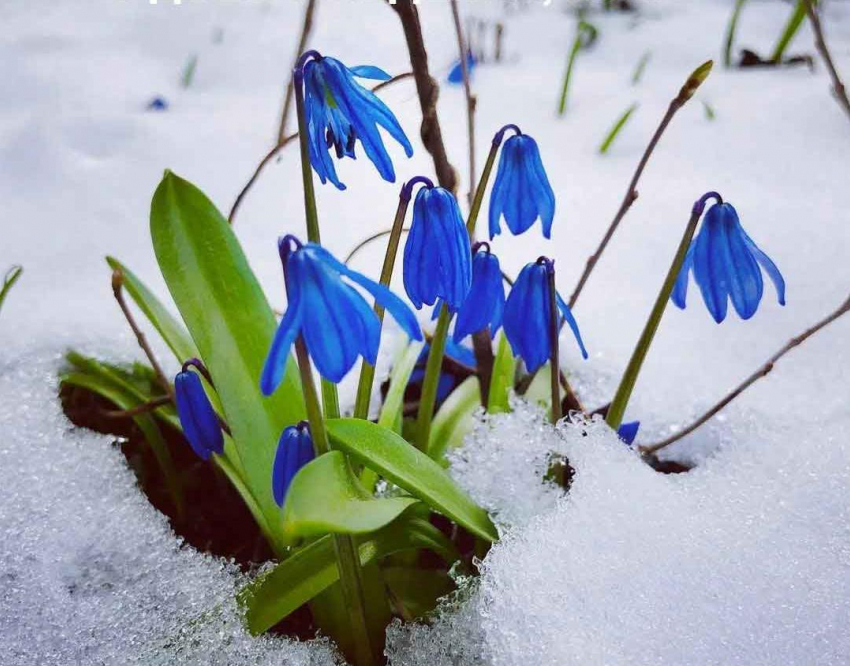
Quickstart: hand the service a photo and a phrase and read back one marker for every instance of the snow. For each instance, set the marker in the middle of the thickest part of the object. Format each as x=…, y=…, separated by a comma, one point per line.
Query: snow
x=743, y=560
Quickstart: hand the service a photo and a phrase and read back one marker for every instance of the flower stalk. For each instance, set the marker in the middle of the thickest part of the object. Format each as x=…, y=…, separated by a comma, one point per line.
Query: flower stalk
x=554, y=330
x=430, y=383
x=624, y=391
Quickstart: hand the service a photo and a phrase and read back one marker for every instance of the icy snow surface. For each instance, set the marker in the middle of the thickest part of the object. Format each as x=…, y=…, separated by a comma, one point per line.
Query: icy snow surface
x=743, y=561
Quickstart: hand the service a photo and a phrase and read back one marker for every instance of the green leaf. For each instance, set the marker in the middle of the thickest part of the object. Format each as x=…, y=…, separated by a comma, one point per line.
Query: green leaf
x=391, y=411
x=502, y=379
x=795, y=20
x=11, y=277
x=230, y=321
x=326, y=496
x=416, y=590
x=171, y=330
x=454, y=419
x=312, y=569
x=615, y=130
x=407, y=467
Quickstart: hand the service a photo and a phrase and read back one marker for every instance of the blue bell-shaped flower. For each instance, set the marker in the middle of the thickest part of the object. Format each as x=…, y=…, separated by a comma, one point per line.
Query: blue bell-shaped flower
x=337, y=323
x=197, y=416
x=628, y=431
x=727, y=265
x=456, y=72
x=437, y=257
x=294, y=450
x=521, y=192
x=527, y=315
x=485, y=303
x=339, y=112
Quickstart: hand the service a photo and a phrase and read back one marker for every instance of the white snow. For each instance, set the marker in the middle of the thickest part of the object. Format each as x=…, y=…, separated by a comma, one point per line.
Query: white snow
x=745, y=560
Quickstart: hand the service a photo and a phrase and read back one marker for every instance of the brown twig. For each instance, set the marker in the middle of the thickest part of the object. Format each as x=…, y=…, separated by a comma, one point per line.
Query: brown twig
x=758, y=374
x=144, y=408
x=371, y=239
x=428, y=91
x=117, y=290
x=281, y=145
x=306, y=28
x=837, y=86
x=470, y=98
x=686, y=92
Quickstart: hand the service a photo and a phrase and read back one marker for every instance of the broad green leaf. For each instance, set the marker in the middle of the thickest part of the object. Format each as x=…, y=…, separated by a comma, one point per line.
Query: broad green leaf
x=230, y=321
x=312, y=569
x=416, y=591
x=539, y=391
x=502, y=379
x=391, y=411
x=454, y=419
x=171, y=330
x=407, y=467
x=326, y=496
x=11, y=277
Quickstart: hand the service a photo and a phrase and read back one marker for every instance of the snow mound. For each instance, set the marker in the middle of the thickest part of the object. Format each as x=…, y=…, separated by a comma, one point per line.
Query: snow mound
x=745, y=560
x=92, y=573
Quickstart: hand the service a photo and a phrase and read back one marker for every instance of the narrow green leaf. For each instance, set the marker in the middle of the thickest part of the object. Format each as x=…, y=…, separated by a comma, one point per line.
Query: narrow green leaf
x=454, y=419
x=640, y=68
x=11, y=277
x=710, y=114
x=731, y=28
x=407, y=467
x=615, y=130
x=312, y=569
x=230, y=321
x=171, y=330
x=502, y=379
x=326, y=497
x=391, y=411
x=795, y=20
x=188, y=75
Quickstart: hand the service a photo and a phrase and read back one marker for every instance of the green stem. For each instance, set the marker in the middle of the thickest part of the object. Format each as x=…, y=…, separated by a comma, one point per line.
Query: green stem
x=562, y=104
x=306, y=169
x=367, y=371
x=477, y=200
x=348, y=564
x=627, y=383
x=554, y=330
x=432, y=378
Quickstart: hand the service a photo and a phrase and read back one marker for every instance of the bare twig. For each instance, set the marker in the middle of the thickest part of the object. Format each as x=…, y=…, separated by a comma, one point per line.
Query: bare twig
x=631, y=195
x=281, y=145
x=837, y=86
x=369, y=241
x=428, y=91
x=117, y=290
x=144, y=408
x=464, y=49
x=758, y=374
x=306, y=28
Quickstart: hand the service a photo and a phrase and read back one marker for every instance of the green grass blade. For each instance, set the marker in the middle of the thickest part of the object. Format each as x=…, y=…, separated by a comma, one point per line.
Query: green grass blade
x=230, y=321
x=637, y=74
x=502, y=379
x=12, y=276
x=391, y=411
x=188, y=75
x=407, y=467
x=454, y=419
x=795, y=20
x=731, y=28
x=615, y=130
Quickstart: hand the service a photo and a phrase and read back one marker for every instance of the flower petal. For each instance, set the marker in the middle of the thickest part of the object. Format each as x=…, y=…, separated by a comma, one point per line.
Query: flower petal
x=370, y=72
x=744, y=277
x=286, y=446
x=679, y=294
x=197, y=416
x=770, y=268
x=709, y=266
x=571, y=322
x=287, y=331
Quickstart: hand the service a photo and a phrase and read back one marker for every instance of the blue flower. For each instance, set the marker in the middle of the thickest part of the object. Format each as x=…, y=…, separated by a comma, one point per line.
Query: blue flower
x=197, y=416
x=294, y=450
x=726, y=265
x=335, y=320
x=456, y=72
x=521, y=192
x=527, y=313
x=447, y=381
x=485, y=303
x=628, y=431
x=158, y=103
x=339, y=112
x=437, y=257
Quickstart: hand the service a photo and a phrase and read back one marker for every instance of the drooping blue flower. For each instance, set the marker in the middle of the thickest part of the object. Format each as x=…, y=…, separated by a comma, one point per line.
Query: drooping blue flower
x=294, y=450
x=339, y=112
x=527, y=313
x=727, y=265
x=335, y=320
x=197, y=416
x=437, y=257
x=456, y=72
x=521, y=192
x=628, y=431
x=448, y=381
x=158, y=103
x=485, y=303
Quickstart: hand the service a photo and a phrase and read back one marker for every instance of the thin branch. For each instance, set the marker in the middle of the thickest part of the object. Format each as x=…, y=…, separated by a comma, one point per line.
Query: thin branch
x=117, y=290
x=306, y=28
x=370, y=240
x=470, y=98
x=144, y=408
x=837, y=86
x=758, y=374
x=281, y=145
x=428, y=91
x=686, y=92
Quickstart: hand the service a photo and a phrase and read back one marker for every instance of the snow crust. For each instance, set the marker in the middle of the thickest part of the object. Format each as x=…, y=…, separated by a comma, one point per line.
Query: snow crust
x=745, y=560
